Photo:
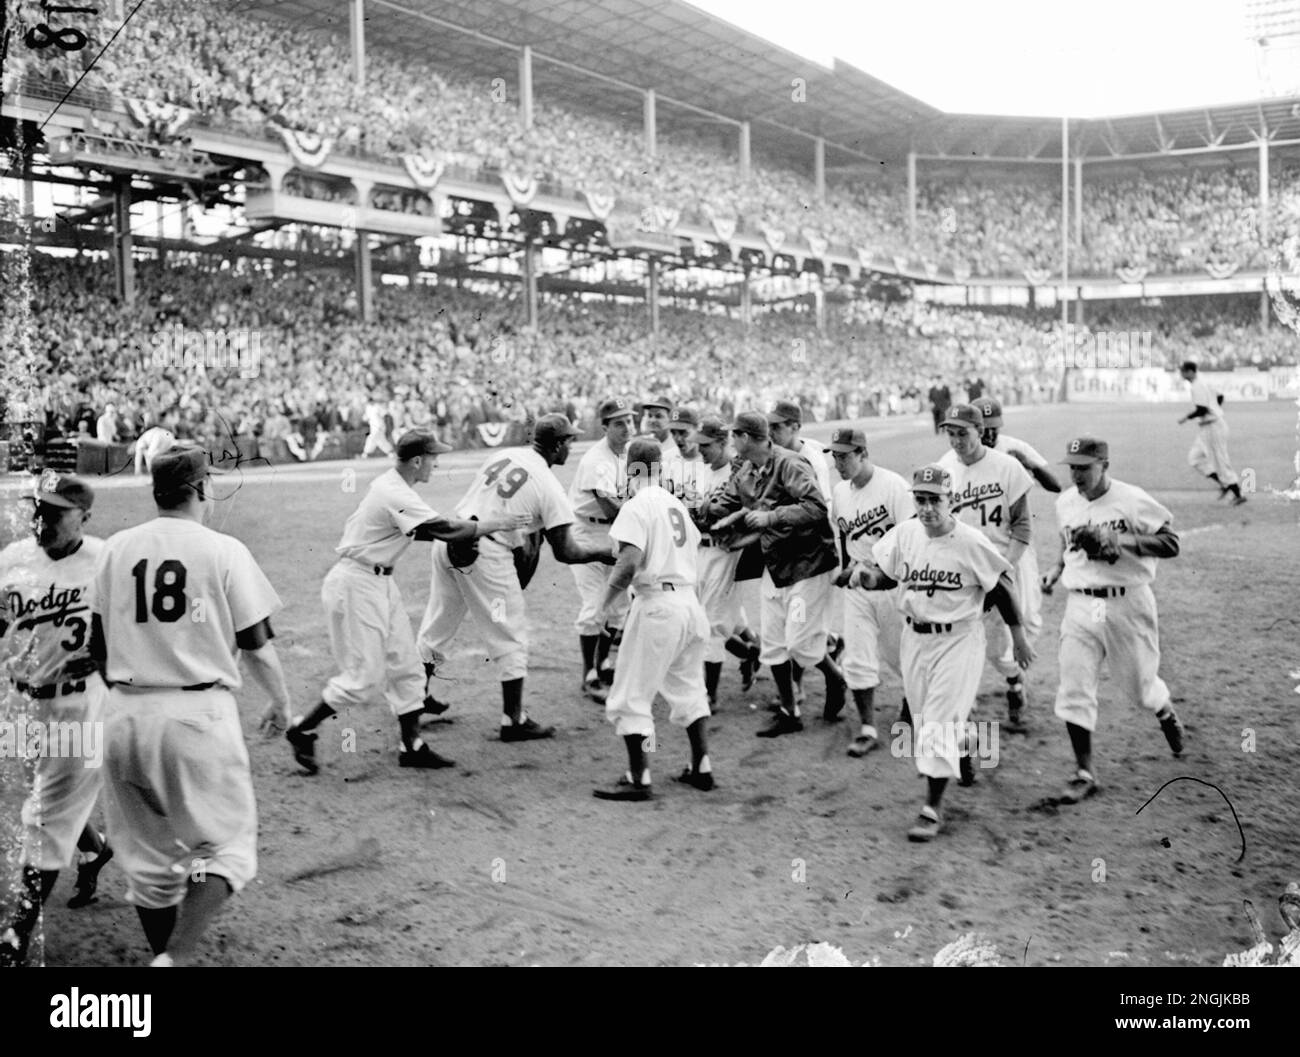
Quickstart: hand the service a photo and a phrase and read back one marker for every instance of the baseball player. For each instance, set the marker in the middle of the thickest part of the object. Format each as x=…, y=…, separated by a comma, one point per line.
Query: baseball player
x=667, y=630
x=152, y=442
x=682, y=474
x=947, y=571
x=1112, y=535
x=45, y=588
x=785, y=421
x=176, y=608
x=990, y=492
x=370, y=633
x=774, y=492
x=511, y=482
x=867, y=502
x=1209, y=452
x=378, y=435
x=1024, y=453
x=716, y=567
x=596, y=494
x=656, y=413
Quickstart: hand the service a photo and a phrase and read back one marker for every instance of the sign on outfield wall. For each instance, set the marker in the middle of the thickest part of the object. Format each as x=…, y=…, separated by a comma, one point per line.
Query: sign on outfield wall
x=1152, y=385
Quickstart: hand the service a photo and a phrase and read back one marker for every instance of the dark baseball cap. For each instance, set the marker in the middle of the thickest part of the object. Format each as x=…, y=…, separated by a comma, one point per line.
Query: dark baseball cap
x=64, y=491
x=991, y=410
x=681, y=417
x=614, y=407
x=1084, y=451
x=751, y=422
x=964, y=415
x=420, y=442
x=178, y=466
x=933, y=479
x=553, y=429
x=712, y=429
x=845, y=439
x=655, y=401
x=785, y=411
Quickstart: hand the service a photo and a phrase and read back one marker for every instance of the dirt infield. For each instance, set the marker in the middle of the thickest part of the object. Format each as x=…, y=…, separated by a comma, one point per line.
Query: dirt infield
x=507, y=858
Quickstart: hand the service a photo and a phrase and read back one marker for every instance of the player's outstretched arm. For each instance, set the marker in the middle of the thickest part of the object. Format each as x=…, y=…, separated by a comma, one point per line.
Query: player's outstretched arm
x=1020, y=525
x=264, y=666
x=569, y=551
x=452, y=529
x=629, y=559
x=1045, y=478
x=1003, y=597
x=1163, y=543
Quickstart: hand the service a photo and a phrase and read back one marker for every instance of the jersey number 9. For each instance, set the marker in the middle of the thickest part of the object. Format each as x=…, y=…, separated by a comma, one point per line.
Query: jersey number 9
x=168, y=603
x=679, y=526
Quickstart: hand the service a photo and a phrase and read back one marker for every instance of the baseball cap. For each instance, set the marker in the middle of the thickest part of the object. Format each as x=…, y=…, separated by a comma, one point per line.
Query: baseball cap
x=681, y=417
x=964, y=415
x=552, y=429
x=785, y=411
x=654, y=401
x=751, y=422
x=614, y=407
x=712, y=429
x=933, y=479
x=991, y=410
x=1083, y=451
x=178, y=466
x=65, y=491
x=419, y=442
x=845, y=439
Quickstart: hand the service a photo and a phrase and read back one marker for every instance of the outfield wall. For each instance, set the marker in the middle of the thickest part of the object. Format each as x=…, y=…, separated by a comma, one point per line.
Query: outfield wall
x=1155, y=386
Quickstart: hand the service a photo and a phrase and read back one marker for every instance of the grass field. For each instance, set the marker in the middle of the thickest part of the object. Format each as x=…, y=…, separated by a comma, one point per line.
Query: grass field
x=507, y=858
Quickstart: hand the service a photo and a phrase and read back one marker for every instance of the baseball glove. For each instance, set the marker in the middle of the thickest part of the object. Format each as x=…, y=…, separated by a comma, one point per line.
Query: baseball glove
x=527, y=557
x=463, y=553
x=1098, y=542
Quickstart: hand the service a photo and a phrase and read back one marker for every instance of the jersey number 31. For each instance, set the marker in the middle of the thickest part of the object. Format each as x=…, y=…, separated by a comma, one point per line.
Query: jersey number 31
x=168, y=603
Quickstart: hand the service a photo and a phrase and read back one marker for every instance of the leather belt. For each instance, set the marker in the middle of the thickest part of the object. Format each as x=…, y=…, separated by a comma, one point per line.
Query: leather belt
x=1102, y=592
x=43, y=693
x=599, y=520
x=928, y=629
x=378, y=570
x=666, y=586
x=706, y=542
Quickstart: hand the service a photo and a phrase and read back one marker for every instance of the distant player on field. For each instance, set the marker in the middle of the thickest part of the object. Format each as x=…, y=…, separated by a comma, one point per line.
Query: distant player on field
x=1209, y=452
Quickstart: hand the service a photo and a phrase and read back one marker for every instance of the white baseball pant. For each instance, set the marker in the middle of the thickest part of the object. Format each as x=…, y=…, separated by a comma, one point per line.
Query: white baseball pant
x=999, y=649
x=941, y=676
x=376, y=439
x=873, y=630
x=1123, y=633
x=178, y=793
x=1209, y=452
x=65, y=787
x=592, y=580
x=663, y=653
x=793, y=620
x=371, y=640
x=489, y=591
x=718, y=594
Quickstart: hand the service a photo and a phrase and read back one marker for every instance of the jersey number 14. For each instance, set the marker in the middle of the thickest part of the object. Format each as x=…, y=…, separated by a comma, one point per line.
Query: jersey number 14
x=168, y=604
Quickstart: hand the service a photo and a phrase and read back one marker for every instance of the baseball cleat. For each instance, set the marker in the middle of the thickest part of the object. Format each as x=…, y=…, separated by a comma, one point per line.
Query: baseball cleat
x=423, y=757
x=625, y=789
x=701, y=780
x=1237, y=500
x=1081, y=787
x=434, y=707
x=1172, y=727
x=1016, y=695
x=782, y=723
x=88, y=879
x=594, y=688
x=966, y=766
x=304, y=748
x=863, y=744
x=528, y=730
x=927, y=826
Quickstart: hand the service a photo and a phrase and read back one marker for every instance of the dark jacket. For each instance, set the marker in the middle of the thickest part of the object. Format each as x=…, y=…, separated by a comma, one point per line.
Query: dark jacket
x=800, y=544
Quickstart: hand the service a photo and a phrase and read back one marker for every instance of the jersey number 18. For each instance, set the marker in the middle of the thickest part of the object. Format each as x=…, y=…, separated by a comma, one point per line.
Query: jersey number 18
x=168, y=603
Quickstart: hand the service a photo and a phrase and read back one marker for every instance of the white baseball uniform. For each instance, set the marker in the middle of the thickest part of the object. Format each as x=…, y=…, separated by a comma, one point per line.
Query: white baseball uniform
x=45, y=645
x=872, y=623
x=153, y=441
x=510, y=481
x=1209, y=451
x=1015, y=446
x=1115, y=623
x=599, y=471
x=667, y=630
x=942, y=584
x=814, y=454
x=982, y=496
x=378, y=435
x=171, y=595
x=370, y=633
x=716, y=572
